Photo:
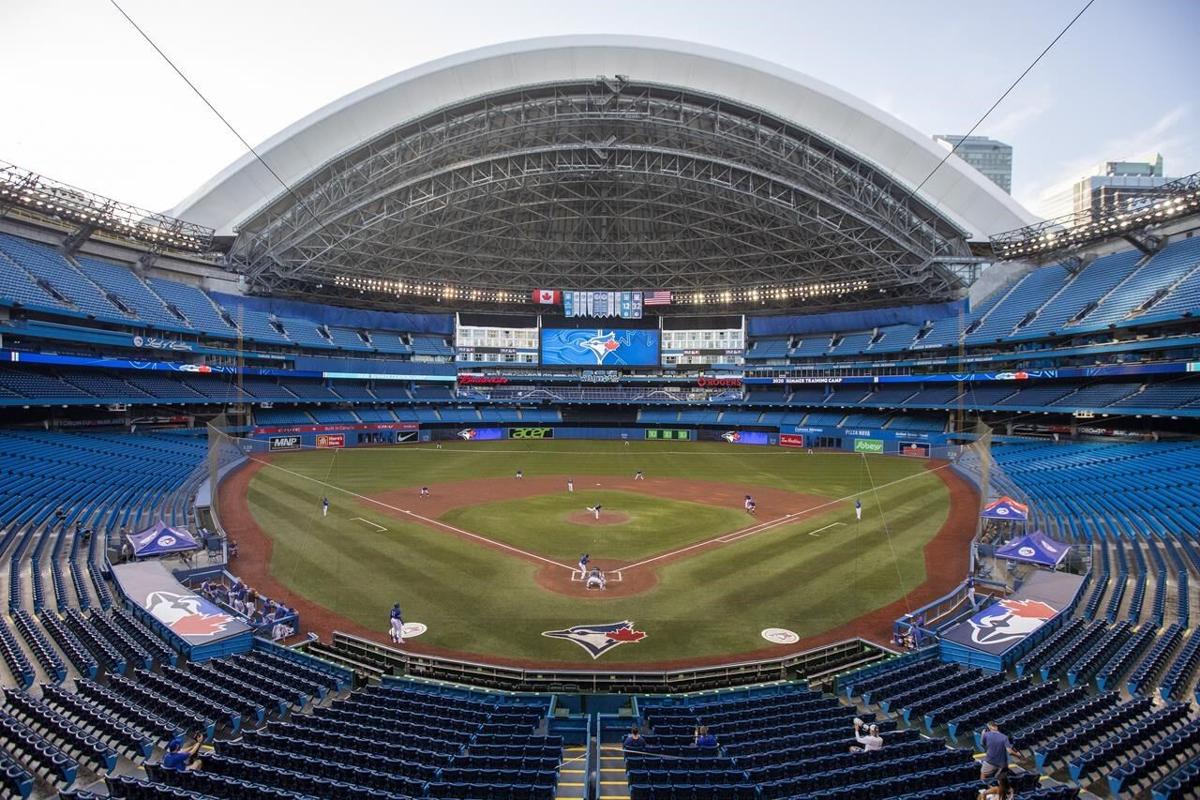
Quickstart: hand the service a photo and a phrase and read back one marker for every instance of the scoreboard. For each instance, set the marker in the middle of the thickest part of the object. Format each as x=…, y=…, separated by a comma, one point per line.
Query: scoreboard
x=668, y=433
x=627, y=305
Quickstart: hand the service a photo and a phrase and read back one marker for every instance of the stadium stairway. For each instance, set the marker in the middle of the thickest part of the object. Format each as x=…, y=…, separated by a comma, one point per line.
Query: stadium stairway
x=572, y=775
x=614, y=781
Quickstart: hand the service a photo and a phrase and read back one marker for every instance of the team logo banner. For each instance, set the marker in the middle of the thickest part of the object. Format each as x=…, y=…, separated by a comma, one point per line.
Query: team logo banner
x=331, y=440
x=600, y=347
x=1009, y=621
x=480, y=434
x=597, y=640
x=746, y=437
x=188, y=615
x=531, y=433
x=280, y=443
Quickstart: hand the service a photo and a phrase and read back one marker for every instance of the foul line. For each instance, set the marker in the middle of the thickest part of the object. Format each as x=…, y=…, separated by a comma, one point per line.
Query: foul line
x=426, y=520
x=766, y=526
x=827, y=527
x=368, y=522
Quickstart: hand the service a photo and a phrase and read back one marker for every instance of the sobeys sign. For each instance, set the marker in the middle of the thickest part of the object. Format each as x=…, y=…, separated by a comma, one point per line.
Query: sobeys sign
x=868, y=445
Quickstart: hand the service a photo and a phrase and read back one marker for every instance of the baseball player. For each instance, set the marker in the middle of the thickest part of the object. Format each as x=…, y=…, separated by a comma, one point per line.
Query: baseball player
x=595, y=510
x=583, y=562
x=570, y=485
x=520, y=474
x=424, y=492
x=753, y=507
x=639, y=476
x=857, y=509
x=746, y=503
x=397, y=631
x=324, y=506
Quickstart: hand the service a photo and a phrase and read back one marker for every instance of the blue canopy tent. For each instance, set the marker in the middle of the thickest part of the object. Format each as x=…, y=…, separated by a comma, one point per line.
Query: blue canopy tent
x=160, y=539
x=1035, y=548
x=1006, y=508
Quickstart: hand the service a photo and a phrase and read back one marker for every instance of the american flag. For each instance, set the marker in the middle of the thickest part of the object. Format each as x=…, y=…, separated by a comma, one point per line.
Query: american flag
x=659, y=298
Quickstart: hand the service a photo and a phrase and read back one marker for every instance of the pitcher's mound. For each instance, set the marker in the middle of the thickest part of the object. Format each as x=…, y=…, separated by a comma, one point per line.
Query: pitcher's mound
x=606, y=518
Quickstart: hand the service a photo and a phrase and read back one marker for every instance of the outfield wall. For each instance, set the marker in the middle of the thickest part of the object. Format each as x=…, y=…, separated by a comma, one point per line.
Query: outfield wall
x=916, y=444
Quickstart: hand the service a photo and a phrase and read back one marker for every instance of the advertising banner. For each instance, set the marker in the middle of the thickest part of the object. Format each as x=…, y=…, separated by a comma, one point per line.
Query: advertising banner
x=531, y=433
x=404, y=437
x=188, y=615
x=868, y=445
x=360, y=426
x=791, y=440
x=600, y=347
x=914, y=449
x=331, y=440
x=480, y=434
x=280, y=443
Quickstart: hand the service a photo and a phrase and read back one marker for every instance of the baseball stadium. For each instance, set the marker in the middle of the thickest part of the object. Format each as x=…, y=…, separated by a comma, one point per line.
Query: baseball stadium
x=600, y=417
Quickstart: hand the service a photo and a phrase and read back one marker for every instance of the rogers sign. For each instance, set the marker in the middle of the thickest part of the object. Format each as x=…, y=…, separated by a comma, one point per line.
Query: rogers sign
x=715, y=383
x=482, y=380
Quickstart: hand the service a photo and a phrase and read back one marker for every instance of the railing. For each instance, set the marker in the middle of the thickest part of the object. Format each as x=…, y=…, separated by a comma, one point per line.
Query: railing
x=805, y=665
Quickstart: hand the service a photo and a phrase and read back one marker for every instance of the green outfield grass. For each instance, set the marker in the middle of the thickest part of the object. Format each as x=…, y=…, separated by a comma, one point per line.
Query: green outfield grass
x=482, y=601
x=541, y=524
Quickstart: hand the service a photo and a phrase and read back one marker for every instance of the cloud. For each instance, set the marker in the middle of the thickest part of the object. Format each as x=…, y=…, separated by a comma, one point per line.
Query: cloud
x=1168, y=134
x=1018, y=118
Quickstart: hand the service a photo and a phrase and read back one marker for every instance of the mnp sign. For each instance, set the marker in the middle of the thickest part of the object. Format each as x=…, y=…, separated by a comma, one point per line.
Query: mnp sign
x=280, y=443
x=531, y=433
x=868, y=445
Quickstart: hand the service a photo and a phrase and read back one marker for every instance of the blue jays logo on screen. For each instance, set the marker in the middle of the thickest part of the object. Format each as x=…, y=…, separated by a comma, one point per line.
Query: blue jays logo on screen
x=599, y=639
x=1009, y=621
x=599, y=347
x=480, y=434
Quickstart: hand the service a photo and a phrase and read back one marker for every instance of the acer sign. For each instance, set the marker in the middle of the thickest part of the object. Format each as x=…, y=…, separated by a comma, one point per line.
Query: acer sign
x=719, y=383
x=531, y=433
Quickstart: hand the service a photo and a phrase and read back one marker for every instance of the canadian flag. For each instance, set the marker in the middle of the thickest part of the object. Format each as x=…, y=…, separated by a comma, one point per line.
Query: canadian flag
x=547, y=297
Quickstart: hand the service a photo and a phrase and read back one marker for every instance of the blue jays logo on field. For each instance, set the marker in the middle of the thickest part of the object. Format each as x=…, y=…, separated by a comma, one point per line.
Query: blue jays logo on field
x=1009, y=620
x=733, y=437
x=468, y=434
x=599, y=639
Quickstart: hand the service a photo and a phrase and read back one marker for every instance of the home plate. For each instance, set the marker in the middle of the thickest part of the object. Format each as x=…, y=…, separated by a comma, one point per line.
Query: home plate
x=780, y=636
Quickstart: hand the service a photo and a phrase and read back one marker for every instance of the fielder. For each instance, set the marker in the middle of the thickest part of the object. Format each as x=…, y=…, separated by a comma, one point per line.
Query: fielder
x=570, y=485
x=595, y=510
x=324, y=506
x=520, y=474
x=424, y=492
x=397, y=631
x=858, y=509
x=639, y=476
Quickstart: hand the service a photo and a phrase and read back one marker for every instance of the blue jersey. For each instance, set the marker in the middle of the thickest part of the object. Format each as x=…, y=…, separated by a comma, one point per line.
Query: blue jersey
x=396, y=613
x=177, y=761
x=858, y=504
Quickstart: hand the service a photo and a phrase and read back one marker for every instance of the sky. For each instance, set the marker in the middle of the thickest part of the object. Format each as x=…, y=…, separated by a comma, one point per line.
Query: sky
x=89, y=103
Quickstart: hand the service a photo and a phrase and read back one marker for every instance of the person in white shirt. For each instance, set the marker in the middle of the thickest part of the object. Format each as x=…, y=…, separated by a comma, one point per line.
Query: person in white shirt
x=870, y=741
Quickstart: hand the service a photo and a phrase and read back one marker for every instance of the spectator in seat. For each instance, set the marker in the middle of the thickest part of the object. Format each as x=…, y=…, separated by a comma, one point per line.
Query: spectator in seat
x=704, y=739
x=1001, y=791
x=633, y=740
x=996, y=749
x=867, y=736
x=180, y=758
